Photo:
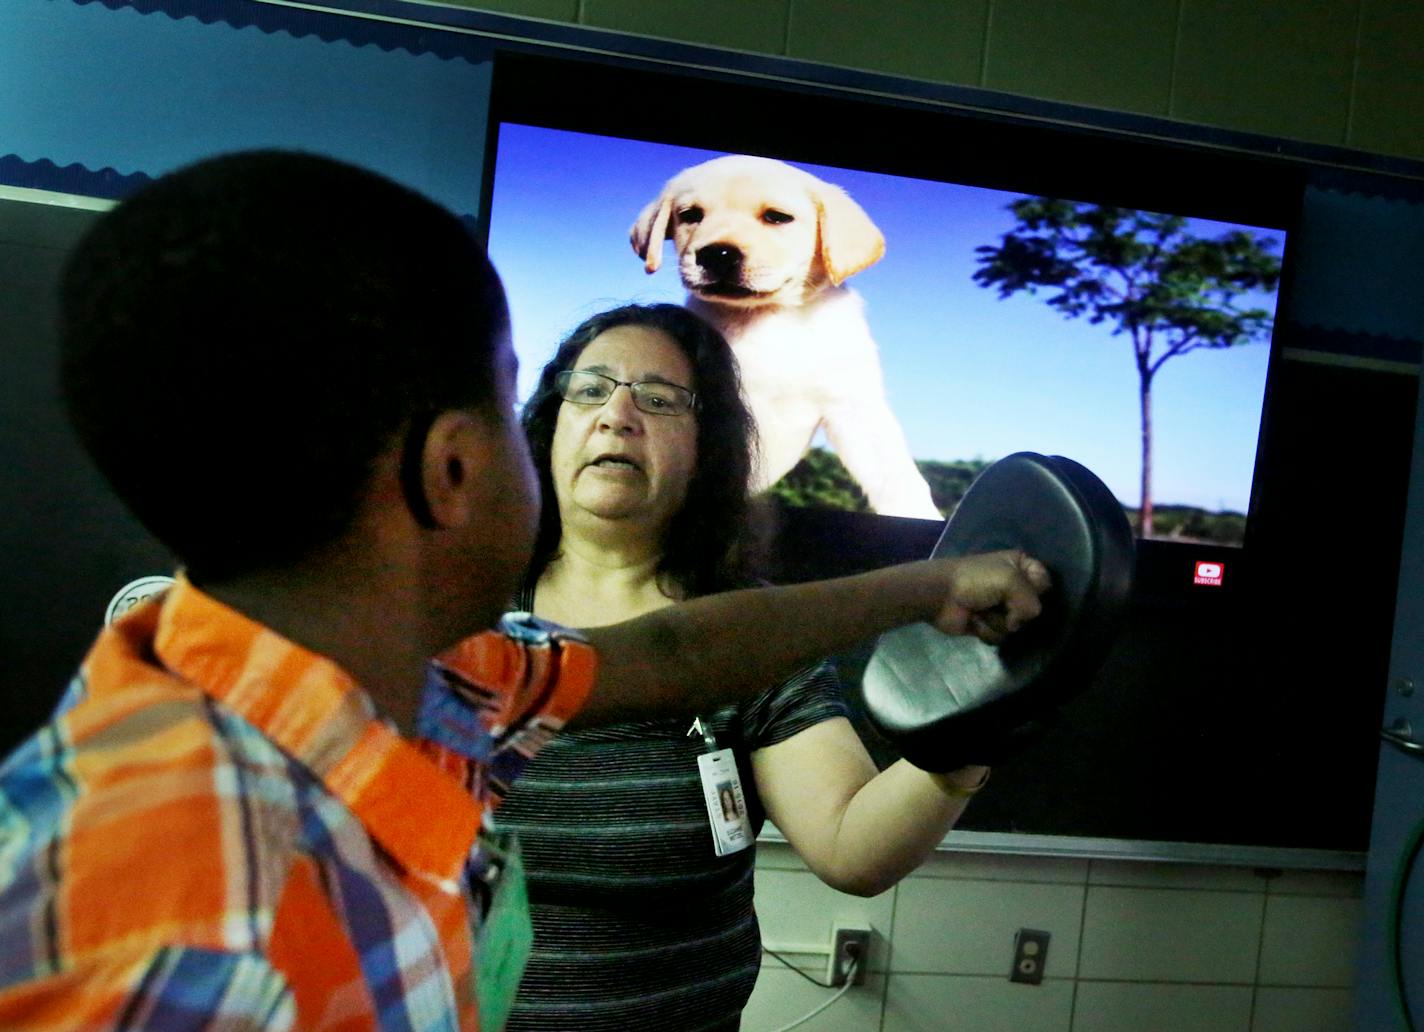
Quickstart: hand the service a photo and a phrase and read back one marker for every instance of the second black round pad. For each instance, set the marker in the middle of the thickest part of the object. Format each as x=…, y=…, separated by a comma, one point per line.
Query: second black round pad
x=941, y=700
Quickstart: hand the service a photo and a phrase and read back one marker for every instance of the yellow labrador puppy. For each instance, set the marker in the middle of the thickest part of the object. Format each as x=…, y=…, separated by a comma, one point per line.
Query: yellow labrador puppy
x=764, y=249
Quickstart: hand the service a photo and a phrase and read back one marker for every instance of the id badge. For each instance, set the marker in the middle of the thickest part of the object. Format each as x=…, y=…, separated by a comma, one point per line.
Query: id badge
x=726, y=806
x=505, y=936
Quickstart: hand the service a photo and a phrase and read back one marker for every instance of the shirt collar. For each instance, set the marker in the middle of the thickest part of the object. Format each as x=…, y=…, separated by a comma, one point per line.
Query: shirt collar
x=314, y=711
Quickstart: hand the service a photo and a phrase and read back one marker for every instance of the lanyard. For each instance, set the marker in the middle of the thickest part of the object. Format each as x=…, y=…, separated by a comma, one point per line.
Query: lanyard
x=704, y=728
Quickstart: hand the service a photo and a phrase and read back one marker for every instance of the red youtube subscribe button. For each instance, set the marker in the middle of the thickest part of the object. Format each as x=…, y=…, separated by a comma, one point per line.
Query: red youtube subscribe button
x=1209, y=573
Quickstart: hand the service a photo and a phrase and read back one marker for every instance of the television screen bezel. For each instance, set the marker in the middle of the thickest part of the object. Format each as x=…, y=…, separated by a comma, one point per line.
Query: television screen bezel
x=531, y=87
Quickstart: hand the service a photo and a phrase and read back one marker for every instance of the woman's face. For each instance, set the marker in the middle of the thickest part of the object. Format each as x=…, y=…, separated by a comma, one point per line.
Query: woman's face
x=614, y=461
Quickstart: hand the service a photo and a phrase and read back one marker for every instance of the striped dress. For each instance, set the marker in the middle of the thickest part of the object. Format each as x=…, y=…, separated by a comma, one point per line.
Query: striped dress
x=637, y=924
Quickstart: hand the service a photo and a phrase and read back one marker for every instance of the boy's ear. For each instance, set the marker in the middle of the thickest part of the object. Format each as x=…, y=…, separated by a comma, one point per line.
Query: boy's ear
x=453, y=460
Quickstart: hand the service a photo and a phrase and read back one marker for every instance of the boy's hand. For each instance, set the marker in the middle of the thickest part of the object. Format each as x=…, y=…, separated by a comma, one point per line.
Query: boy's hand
x=992, y=595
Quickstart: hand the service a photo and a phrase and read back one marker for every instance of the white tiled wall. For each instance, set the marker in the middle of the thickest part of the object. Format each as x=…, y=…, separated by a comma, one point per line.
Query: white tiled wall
x=1135, y=947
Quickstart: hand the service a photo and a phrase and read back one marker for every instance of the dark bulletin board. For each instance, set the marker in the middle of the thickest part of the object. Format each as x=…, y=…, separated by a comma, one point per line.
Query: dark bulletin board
x=66, y=544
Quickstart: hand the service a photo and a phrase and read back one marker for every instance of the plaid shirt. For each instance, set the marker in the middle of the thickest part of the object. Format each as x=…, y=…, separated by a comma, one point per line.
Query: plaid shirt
x=215, y=831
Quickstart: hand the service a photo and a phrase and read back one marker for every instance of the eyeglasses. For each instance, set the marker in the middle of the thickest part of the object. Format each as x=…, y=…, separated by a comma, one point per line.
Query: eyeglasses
x=584, y=387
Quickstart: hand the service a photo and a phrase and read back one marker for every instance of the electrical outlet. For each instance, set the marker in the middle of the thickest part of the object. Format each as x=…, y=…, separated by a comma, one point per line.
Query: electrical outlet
x=848, y=946
x=1030, y=955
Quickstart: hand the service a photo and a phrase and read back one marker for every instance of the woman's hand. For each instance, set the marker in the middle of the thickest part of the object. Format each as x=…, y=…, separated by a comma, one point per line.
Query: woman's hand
x=992, y=595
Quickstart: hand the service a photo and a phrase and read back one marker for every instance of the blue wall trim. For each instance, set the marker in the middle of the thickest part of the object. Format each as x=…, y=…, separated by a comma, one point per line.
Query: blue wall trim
x=297, y=22
x=70, y=179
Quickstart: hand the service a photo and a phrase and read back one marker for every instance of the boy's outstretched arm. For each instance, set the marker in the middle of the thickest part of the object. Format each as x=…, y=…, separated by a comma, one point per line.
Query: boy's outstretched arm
x=709, y=651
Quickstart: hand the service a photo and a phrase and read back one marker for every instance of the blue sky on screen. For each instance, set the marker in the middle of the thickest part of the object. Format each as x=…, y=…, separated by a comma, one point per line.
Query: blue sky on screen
x=968, y=375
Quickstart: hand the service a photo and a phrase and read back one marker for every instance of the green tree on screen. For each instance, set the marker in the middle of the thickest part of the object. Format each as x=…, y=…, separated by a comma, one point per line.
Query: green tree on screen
x=1167, y=290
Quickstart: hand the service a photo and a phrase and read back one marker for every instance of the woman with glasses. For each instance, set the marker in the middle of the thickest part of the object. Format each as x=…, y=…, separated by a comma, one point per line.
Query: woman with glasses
x=640, y=874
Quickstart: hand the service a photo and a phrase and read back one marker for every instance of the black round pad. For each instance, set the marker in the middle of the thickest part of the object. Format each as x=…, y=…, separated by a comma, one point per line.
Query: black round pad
x=940, y=698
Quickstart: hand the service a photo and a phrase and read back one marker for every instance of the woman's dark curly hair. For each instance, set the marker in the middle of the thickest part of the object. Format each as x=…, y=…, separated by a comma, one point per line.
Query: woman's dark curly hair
x=706, y=547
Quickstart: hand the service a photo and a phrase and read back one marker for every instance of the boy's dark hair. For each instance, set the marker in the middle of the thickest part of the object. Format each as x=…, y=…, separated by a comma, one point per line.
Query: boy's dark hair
x=241, y=338
x=709, y=544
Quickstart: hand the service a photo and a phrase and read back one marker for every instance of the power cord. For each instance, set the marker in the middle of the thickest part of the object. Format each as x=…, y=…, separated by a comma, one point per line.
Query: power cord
x=849, y=984
x=1396, y=920
x=793, y=967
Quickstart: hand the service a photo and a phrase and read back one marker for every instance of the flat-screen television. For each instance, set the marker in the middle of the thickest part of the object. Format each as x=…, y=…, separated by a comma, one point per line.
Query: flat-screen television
x=1121, y=300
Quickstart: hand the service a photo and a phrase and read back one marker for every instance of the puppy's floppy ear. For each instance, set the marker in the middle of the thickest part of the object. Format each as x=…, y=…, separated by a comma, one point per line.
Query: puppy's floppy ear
x=849, y=240
x=649, y=231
